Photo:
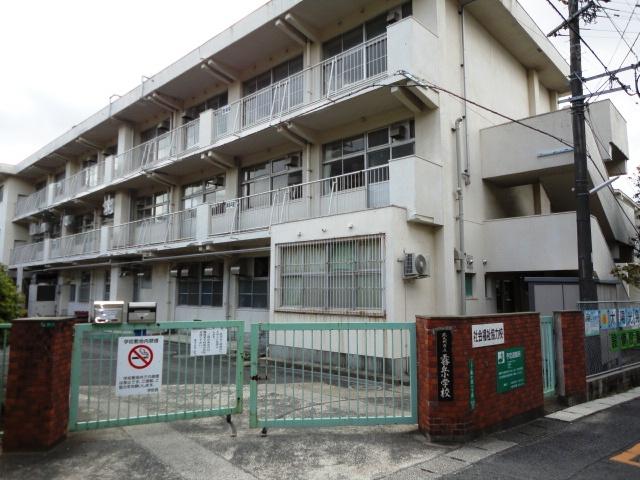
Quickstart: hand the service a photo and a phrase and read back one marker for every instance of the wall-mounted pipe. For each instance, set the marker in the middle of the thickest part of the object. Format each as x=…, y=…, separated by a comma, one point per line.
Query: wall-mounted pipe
x=460, y=198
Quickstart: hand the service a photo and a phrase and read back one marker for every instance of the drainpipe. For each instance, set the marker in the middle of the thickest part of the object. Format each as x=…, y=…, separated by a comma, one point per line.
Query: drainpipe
x=466, y=173
x=459, y=196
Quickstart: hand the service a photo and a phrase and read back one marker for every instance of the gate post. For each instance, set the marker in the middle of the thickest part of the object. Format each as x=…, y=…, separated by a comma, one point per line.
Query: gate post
x=570, y=357
x=37, y=402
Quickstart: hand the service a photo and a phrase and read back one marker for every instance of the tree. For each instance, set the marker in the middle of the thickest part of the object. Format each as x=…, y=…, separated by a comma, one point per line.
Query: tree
x=11, y=301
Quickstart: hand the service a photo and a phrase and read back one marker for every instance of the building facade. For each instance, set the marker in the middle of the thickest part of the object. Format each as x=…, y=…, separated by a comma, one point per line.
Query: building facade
x=332, y=173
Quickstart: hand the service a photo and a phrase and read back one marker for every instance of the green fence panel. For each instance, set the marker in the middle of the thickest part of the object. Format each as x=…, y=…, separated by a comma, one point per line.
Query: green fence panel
x=192, y=384
x=5, y=328
x=548, y=355
x=329, y=374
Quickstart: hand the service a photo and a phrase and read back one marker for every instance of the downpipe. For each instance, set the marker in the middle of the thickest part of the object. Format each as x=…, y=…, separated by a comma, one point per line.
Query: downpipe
x=460, y=198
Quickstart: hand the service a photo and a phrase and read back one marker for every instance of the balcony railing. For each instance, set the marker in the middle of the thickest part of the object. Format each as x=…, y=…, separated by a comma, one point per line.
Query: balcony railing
x=329, y=78
x=169, y=228
x=346, y=193
x=31, y=203
x=164, y=147
x=73, y=245
x=27, y=253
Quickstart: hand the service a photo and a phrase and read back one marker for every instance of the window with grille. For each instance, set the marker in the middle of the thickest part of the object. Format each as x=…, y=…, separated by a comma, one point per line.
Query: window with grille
x=340, y=275
x=202, y=287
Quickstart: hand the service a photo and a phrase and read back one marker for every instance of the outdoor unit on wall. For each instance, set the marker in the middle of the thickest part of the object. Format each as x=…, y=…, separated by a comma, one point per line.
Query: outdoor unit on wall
x=34, y=229
x=398, y=132
x=416, y=265
x=45, y=227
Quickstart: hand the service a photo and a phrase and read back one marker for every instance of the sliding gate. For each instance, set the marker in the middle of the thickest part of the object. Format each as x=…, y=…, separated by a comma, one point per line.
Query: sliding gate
x=326, y=374
x=132, y=374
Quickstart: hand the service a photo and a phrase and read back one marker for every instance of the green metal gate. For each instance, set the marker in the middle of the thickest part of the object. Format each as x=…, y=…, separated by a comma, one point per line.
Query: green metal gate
x=191, y=384
x=547, y=342
x=327, y=374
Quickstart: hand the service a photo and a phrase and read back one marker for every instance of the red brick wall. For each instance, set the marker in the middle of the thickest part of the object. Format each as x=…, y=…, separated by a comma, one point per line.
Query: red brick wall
x=37, y=400
x=455, y=420
x=573, y=356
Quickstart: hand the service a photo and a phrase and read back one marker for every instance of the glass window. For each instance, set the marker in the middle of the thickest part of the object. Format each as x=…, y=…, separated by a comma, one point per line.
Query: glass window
x=342, y=275
x=205, y=191
x=253, y=285
x=276, y=74
x=151, y=205
x=468, y=284
x=214, y=103
x=203, y=286
x=279, y=173
x=47, y=293
x=353, y=154
x=1, y=193
x=107, y=285
x=84, y=292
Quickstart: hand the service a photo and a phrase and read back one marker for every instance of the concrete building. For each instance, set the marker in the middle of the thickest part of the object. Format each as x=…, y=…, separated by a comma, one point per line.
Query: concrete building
x=302, y=180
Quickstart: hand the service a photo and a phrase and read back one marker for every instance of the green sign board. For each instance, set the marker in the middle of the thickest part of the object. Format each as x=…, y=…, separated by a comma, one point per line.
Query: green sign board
x=510, y=369
x=472, y=385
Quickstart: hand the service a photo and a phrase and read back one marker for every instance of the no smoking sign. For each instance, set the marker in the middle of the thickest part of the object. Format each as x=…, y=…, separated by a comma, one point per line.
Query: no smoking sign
x=139, y=368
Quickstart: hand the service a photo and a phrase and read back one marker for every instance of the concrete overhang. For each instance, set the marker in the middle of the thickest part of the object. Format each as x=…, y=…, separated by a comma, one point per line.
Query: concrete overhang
x=511, y=25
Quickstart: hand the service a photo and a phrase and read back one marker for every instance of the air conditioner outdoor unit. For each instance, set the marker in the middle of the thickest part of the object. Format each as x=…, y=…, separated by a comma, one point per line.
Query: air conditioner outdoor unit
x=212, y=271
x=398, y=132
x=416, y=266
x=44, y=227
x=33, y=229
x=394, y=15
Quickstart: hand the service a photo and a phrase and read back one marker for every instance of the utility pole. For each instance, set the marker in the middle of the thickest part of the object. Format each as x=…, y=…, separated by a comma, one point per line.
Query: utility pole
x=583, y=216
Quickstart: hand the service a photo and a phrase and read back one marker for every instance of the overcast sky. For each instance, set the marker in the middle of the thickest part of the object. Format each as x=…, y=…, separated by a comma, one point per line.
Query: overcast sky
x=62, y=60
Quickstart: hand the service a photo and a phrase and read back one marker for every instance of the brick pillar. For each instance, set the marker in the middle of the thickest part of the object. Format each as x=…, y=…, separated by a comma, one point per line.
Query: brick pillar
x=571, y=364
x=483, y=407
x=37, y=400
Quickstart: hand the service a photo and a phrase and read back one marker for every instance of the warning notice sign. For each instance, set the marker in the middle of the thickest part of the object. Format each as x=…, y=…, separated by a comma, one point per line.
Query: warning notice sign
x=139, y=368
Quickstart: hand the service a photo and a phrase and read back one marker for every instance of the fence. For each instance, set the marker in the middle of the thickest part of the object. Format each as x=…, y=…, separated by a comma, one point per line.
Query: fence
x=190, y=385
x=612, y=335
x=172, y=227
x=5, y=328
x=78, y=244
x=326, y=374
x=28, y=252
x=548, y=349
x=31, y=203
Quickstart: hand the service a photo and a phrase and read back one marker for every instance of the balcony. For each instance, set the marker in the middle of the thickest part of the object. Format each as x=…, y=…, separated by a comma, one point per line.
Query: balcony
x=84, y=243
x=541, y=243
x=341, y=82
x=410, y=182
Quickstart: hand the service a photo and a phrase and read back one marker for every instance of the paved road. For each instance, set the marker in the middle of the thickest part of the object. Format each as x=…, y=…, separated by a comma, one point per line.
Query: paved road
x=551, y=450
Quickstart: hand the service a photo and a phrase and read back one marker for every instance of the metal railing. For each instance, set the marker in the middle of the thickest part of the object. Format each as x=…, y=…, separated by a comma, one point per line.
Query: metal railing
x=345, y=193
x=157, y=150
x=27, y=253
x=327, y=374
x=548, y=350
x=609, y=327
x=190, y=384
x=31, y=203
x=5, y=329
x=79, y=244
x=328, y=78
x=169, y=228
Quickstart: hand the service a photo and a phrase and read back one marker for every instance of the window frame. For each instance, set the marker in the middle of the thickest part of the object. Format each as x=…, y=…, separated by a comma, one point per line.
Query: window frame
x=259, y=285
x=199, y=280
x=219, y=187
x=246, y=179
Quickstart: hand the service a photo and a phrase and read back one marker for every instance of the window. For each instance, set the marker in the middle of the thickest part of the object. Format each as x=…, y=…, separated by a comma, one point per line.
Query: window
x=107, y=285
x=347, y=64
x=84, y=292
x=213, y=103
x=72, y=292
x=205, y=191
x=155, y=131
x=151, y=205
x=261, y=102
x=141, y=281
x=203, y=285
x=280, y=173
x=342, y=275
x=253, y=284
x=469, y=280
x=276, y=74
x=46, y=293
x=1, y=193
x=365, y=151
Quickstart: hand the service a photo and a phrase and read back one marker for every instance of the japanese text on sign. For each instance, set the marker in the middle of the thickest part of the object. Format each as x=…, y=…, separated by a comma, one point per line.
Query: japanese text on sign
x=445, y=364
x=487, y=334
x=139, y=367
x=510, y=369
x=208, y=341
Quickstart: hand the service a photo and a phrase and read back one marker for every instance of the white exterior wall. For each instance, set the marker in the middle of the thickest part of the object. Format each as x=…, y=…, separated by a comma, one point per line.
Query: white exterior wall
x=10, y=233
